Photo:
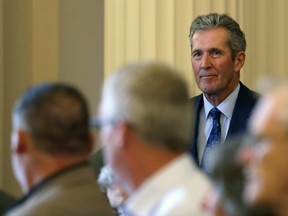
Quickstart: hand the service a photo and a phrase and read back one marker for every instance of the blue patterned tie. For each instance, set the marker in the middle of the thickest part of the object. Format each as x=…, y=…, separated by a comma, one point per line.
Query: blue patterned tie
x=213, y=139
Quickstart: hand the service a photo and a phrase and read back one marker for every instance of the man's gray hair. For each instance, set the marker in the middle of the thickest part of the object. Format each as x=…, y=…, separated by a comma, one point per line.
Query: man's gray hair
x=236, y=37
x=153, y=99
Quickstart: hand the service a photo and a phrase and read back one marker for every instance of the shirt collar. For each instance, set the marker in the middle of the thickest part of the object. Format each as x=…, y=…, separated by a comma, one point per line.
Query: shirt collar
x=145, y=198
x=226, y=107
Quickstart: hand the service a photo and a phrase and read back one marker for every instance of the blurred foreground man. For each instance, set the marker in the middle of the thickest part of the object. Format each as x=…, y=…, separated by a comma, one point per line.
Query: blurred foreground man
x=51, y=146
x=145, y=121
x=265, y=159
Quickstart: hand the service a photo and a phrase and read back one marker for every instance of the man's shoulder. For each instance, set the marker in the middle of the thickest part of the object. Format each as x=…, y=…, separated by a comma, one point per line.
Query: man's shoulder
x=58, y=196
x=185, y=198
x=247, y=97
x=196, y=99
x=244, y=90
x=64, y=203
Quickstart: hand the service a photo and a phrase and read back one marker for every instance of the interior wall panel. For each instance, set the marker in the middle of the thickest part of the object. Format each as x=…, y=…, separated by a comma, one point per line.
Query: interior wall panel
x=147, y=29
x=164, y=26
x=34, y=46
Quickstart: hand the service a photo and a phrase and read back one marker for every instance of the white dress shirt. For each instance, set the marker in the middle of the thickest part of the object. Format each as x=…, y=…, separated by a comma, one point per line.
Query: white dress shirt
x=177, y=189
x=206, y=122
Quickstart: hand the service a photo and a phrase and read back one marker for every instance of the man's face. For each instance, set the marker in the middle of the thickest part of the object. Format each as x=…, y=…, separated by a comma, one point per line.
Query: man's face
x=265, y=160
x=107, y=131
x=214, y=70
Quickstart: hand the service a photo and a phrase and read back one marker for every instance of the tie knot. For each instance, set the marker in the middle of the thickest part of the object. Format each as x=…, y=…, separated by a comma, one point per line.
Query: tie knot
x=215, y=113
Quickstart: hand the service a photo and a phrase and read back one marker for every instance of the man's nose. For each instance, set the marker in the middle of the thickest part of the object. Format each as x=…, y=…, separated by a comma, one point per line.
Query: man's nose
x=206, y=61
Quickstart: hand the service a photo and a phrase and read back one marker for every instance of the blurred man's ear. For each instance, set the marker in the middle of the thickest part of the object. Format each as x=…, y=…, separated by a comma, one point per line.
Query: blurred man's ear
x=120, y=133
x=124, y=134
x=19, y=140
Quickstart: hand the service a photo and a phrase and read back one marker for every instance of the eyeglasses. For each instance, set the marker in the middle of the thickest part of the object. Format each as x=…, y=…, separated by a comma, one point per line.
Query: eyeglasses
x=98, y=123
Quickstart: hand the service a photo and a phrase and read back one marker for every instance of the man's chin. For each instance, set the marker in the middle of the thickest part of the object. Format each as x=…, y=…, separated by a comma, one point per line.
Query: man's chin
x=207, y=90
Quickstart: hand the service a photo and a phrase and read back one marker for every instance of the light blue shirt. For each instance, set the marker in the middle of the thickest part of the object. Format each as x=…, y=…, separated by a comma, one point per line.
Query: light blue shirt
x=205, y=120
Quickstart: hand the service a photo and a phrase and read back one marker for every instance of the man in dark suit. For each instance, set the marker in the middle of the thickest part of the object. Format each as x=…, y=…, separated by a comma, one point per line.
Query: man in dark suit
x=51, y=147
x=217, y=55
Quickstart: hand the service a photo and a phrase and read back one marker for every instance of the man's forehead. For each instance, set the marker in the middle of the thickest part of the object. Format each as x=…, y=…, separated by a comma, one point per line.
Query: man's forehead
x=212, y=37
x=218, y=32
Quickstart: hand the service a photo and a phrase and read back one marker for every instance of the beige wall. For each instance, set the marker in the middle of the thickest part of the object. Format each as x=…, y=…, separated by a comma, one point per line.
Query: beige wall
x=43, y=40
x=2, y=161
x=158, y=29
x=17, y=68
x=47, y=40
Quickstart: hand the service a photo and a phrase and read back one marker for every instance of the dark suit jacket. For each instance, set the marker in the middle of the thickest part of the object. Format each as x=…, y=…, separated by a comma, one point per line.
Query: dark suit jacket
x=245, y=102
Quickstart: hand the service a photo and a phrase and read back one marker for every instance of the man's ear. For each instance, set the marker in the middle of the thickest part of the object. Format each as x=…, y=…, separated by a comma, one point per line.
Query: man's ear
x=128, y=135
x=239, y=61
x=20, y=140
x=123, y=134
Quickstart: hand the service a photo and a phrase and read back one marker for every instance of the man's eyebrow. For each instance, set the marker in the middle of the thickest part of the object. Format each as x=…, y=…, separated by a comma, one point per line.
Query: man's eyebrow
x=215, y=49
x=209, y=50
x=197, y=50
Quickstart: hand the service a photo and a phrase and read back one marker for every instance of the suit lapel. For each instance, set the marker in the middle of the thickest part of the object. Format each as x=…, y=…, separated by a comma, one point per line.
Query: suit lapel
x=197, y=104
x=245, y=102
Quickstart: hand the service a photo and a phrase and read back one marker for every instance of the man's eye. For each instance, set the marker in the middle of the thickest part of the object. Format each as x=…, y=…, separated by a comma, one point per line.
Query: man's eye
x=215, y=53
x=196, y=55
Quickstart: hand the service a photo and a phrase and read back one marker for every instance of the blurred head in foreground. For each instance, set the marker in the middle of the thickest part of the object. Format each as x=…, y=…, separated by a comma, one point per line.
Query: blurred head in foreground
x=265, y=155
